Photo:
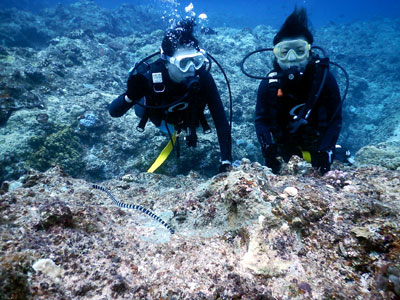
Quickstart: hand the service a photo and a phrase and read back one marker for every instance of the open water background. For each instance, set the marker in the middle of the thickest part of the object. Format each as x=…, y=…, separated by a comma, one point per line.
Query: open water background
x=249, y=13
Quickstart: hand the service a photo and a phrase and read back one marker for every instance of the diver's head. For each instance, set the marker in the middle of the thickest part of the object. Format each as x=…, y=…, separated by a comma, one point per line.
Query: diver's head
x=292, y=43
x=292, y=53
x=184, y=63
x=181, y=52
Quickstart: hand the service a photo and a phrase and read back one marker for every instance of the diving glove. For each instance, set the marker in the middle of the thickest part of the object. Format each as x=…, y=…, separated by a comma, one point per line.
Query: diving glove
x=225, y=166
x=322, y=161
x=137, y=86
x=270, y=152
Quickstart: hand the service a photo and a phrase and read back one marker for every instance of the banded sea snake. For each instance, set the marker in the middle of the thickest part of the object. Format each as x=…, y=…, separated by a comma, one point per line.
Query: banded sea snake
x=137, y=207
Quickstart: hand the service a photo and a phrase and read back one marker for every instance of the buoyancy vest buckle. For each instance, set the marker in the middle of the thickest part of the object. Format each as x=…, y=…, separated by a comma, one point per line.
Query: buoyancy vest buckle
x=178, y=106
x=158, y=85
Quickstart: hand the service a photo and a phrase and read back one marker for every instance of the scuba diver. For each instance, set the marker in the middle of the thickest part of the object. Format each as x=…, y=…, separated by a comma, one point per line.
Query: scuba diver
x=173, y=92
x=299, y=109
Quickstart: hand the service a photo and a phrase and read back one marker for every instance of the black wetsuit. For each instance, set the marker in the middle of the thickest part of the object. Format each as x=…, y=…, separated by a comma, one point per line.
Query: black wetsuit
x=273, y=120
x=186, y=115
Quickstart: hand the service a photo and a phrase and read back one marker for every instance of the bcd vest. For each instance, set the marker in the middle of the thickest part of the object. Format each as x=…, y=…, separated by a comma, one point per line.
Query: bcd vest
x=300, y=113
x=184, y=111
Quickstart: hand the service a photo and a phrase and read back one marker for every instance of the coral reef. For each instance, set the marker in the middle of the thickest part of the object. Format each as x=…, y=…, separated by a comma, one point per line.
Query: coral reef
x=246, y=234
x=76, y=61
x=383, y=154
x=61, y=147
x=374, y=90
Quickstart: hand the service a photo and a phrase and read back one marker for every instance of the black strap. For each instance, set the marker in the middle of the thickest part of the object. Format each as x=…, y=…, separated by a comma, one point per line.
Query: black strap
x=142, y=123
x=193, y=120
x=322, y=68
x=204, y=123
x=156, y=98
x=178, y=147
x=273, y=86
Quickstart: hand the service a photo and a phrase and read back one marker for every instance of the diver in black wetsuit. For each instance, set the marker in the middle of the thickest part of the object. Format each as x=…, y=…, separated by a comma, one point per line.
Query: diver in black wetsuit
x=298, y=109
x=174, y=91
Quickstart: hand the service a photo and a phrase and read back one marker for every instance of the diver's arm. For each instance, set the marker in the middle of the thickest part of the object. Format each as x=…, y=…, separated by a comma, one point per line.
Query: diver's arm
x=137, y=86
x=262, y=130
x=119, y=106
x=218, y=114
x=331, y=97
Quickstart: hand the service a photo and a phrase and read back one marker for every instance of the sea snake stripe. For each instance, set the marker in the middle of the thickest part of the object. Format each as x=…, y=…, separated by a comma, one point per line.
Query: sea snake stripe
x=132, y=206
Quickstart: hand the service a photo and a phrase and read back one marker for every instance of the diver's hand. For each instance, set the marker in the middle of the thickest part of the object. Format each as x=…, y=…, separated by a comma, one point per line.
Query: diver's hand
x=137, y=86
x=225, y=166
x=321, y=161
x=270, y=153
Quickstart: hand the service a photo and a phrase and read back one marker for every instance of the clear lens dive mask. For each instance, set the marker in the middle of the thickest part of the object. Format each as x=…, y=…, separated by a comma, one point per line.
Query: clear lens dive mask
x=184, y=62
x=290, y=51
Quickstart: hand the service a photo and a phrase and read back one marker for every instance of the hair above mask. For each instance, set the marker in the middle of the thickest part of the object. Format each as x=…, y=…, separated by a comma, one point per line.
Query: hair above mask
x=180, y=36
x=296, y=25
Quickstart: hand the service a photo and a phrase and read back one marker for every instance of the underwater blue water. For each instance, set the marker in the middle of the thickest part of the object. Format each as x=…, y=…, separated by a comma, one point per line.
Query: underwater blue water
x=249, y=13
x=320, y=12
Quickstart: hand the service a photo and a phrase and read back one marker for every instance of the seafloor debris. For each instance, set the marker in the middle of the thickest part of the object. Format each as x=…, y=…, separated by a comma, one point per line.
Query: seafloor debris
x=247, y=234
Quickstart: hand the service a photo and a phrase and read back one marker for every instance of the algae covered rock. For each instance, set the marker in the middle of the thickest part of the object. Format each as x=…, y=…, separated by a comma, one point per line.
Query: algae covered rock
x=14, y=279
x=61, y=147
x=56, y=214
x=383, y=154
x=247, y=234
x=6, y=107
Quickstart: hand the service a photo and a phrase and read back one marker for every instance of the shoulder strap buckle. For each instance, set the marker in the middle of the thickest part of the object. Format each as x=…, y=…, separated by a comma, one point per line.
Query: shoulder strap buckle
x=323, y=62
x=158, y=85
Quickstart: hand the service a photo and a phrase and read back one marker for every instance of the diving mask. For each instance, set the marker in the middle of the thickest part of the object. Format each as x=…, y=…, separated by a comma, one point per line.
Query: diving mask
x=185, y=61
x=293, y=50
